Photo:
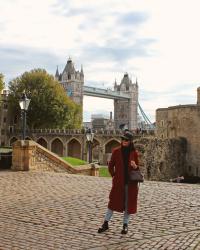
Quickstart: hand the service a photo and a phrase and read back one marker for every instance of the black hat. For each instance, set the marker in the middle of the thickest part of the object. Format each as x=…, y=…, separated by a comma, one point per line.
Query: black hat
x=127, y=136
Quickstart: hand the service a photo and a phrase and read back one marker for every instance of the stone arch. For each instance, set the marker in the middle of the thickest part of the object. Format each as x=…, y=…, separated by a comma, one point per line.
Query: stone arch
x=74, y=148
x=96, y=150
x=110, y=145
x=57, y=147
x=42, y=142
x=12, y=140
x=28, y=138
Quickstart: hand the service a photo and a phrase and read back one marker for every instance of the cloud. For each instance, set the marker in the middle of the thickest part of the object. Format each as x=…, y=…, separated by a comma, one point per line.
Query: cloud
x=132, y=18
x=15, y=61
x=120, y=53
x=65, y=10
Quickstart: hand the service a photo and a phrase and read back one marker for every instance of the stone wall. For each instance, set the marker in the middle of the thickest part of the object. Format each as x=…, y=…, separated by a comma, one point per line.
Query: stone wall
x=162, y=159
x=182, y=121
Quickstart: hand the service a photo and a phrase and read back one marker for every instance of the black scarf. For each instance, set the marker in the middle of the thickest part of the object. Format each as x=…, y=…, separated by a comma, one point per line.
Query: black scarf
x=125, y=157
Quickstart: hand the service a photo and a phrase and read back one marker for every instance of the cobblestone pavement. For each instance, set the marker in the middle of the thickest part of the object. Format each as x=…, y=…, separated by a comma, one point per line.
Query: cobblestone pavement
x=61, y=211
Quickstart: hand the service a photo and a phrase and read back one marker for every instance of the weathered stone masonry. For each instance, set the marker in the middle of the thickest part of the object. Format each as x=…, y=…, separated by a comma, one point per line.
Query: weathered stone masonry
x=182, y=121
x=162, y=159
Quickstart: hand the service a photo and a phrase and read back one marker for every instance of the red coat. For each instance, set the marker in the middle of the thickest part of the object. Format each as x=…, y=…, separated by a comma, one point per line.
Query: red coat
x=117, y=193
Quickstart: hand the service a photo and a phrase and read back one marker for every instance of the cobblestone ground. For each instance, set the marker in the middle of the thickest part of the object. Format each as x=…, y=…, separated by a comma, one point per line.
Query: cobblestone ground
x=60, y=211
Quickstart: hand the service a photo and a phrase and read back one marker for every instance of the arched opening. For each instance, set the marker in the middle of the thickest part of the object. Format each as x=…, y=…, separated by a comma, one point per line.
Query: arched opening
x=111, y=145
x=12, y=140
x=42, y=142
x=57, y=147
x=74, y=149
x=108, y=150
x=28, y=138
x=95, y=150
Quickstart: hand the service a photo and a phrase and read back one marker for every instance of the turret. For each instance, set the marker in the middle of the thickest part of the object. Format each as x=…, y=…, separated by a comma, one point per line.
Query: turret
x=136, y=82
x=115, y=85
x=69, y=70
x=82, y=74
x=125, y=83
x=198, y=96
x=57, y=74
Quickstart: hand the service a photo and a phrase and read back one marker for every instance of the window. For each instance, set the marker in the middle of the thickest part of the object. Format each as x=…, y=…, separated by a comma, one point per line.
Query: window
x=5, y=106
x=15, y=120
x=11, y=129
x=4, y=119
x=162, y=123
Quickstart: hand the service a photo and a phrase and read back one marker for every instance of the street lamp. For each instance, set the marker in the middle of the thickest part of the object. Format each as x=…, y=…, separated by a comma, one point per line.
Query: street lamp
x=89, y=137
x=24, y=103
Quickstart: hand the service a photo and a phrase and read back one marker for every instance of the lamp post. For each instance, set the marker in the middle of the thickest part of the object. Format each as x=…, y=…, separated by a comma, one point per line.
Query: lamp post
x=89, y=137
x=24, y=103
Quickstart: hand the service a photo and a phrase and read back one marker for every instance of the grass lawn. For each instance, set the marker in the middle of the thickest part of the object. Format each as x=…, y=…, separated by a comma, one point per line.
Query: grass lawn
x=5, y=150
x=103, y=172
x=74, y=161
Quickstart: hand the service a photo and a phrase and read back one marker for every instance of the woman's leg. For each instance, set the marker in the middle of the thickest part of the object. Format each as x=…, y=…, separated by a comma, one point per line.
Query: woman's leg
x=126, y=218
x=126, y=215
x=125, y=223
x=108, y=216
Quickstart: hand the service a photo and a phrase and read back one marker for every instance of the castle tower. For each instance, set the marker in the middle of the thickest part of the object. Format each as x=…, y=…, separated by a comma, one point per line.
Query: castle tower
x=72, y=81
x=198, y=96
x=125, y=111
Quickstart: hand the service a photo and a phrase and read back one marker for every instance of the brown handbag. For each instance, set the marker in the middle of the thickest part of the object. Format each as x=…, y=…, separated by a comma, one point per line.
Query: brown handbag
x=136, y=176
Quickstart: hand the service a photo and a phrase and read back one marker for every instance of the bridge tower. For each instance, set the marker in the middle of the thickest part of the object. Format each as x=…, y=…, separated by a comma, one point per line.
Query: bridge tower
x=72, y=81
x=125, y=111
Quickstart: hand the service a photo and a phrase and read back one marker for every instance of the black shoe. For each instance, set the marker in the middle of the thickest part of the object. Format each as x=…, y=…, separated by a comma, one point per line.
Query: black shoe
x=104, y=227
x=125, y=229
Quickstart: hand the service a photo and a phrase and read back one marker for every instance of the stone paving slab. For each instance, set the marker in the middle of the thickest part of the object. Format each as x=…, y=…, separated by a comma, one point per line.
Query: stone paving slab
x=45, y=210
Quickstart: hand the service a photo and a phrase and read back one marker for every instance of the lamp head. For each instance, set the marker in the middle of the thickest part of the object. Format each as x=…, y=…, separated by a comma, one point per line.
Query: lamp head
x=89, y=135
x=24, y=102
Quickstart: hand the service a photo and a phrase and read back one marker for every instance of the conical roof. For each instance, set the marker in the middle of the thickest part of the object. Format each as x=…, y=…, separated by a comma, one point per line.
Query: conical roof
x=126, y=80
x=69, y=67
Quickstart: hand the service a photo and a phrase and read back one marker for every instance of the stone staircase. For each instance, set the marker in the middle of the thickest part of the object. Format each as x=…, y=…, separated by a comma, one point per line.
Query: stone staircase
x=29, y=155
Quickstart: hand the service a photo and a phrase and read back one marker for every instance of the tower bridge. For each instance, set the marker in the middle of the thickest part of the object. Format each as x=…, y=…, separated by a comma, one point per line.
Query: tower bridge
x=105, y=93
x=125, y=95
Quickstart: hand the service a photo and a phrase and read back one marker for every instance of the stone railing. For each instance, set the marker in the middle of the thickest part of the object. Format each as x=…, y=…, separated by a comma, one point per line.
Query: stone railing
x=79, y=131
x=29, y=155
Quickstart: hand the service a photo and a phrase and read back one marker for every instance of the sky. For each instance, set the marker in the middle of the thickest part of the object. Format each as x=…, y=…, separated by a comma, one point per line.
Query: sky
x=155, y=41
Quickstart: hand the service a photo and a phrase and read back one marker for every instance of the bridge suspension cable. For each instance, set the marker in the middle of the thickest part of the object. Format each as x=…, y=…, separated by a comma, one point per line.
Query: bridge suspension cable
x=148, y=123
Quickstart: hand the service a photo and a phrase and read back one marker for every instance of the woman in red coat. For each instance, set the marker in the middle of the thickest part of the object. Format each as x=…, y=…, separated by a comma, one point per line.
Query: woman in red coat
x=123, y=195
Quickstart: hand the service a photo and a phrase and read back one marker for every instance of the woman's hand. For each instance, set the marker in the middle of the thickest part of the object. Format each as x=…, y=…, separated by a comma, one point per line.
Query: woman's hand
x=133, y=165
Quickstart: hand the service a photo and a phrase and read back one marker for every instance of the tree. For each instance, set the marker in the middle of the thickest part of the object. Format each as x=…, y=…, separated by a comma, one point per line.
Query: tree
x=49, y=107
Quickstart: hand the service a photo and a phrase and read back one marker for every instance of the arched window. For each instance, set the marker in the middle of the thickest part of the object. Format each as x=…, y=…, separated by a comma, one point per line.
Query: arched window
x=57, y=147
x=95, y=150
x=74, y=148
x=42, y=142
x=111, y=145
x=12, y=140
